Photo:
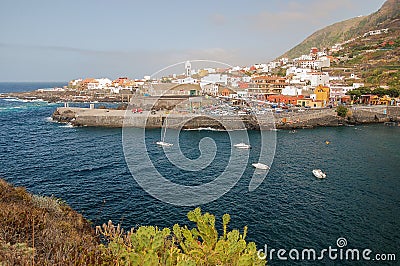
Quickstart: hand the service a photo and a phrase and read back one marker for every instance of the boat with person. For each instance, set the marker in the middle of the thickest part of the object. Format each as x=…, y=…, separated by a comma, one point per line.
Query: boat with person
x=319, y=174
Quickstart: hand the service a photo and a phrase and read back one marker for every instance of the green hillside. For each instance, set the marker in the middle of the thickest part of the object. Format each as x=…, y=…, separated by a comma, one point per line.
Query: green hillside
x=388, y=16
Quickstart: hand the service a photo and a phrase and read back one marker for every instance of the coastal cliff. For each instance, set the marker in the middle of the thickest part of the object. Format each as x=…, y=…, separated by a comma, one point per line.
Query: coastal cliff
x=285, y=120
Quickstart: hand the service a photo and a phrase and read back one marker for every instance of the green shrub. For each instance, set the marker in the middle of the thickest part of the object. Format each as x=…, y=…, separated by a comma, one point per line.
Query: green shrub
x=40, y=230
x=149, y=245
x=342, y=111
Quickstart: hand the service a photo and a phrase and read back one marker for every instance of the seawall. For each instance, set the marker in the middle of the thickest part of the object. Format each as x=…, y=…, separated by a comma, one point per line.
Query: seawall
x=285, y=120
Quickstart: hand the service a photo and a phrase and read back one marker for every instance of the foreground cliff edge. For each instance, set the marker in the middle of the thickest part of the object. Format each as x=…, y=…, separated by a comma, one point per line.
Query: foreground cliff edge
x=40, y=230
x=284, y=120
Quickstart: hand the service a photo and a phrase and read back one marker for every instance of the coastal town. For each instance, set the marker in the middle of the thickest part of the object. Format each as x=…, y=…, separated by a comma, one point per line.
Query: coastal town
x=302, y=92
x=207, y=133
x=312, y=80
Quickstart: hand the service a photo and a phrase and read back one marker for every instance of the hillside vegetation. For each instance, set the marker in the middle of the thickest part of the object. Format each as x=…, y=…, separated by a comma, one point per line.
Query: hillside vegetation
x=40, y=230
x=388, y=16
x=43, y=231
x=374, y=59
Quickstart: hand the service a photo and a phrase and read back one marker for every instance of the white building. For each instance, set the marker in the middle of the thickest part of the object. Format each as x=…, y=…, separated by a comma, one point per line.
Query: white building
x=188, y=80
x=323, y=61
x=338, y=91
x=242, y=94
x=358, y=85
x=336, y=78
x=336, y=48
x=104, y=82
x=375, y=32
x=297, y=71
x=99, y=84
x=292, y=91
x=284, y=60
x=318, y=78
x=210, y=70
x=75, y=82
x=209, y=89
x=215, y=78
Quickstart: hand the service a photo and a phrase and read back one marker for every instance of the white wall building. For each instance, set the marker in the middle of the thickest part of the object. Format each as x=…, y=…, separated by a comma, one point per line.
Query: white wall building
x=322, y=62
x=93, y=85
x=209, y=89
x=337, y=91
x=75, y=82
x=188, y=80
x=296, y=70
x=292, y=91
x=242, y=94
x=210, y=70
x=104, y=82
x=336, y=78
x=358, y=85
x=215, y=78
x=318, y=78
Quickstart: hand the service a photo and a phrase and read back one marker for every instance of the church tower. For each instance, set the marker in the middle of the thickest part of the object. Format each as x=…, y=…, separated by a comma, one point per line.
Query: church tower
x=188, y=69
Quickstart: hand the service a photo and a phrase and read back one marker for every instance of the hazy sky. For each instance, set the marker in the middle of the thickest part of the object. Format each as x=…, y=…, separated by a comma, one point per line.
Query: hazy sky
x=48, y=40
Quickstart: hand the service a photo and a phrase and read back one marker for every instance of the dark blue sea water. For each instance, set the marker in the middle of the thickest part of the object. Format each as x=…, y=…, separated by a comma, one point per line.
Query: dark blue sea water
x=28, y=86
x=359, y=200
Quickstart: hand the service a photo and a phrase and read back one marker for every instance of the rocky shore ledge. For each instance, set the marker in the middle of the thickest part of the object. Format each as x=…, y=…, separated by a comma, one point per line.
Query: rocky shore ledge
x=285, y=120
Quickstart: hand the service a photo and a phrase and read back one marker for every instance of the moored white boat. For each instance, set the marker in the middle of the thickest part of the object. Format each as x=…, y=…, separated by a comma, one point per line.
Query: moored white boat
x=318, y=173
x=162, y=141
x=165, y=144
x=242, y=146
x=260, y=166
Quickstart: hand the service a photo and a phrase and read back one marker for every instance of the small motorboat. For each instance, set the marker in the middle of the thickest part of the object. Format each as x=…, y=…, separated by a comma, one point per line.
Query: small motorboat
x=260, y=166
x=242, y=146
x=164, y=144
x=318, y=173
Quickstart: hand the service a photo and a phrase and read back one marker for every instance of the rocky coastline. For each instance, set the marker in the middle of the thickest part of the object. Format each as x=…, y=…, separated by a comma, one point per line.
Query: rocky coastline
x=66, y=95
x=287, y=119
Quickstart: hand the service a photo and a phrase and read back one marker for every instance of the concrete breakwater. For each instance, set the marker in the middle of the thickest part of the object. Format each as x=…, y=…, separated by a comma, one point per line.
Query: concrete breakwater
x=285, y=120
x=120, y=118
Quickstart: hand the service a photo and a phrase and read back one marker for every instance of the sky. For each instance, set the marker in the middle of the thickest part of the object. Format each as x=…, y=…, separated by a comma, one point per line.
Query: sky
x=47, y=40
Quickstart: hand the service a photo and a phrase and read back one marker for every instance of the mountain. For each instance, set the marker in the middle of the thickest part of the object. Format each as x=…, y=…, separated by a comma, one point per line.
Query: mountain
x=388, y=16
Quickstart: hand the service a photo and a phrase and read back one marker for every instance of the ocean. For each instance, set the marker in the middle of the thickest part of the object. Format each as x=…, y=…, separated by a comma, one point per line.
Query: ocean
x=86, y=167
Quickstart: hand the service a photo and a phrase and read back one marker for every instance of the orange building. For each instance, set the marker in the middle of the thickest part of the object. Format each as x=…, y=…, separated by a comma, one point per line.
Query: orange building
x=284, y=99
x=322, y=94
x=225, y=91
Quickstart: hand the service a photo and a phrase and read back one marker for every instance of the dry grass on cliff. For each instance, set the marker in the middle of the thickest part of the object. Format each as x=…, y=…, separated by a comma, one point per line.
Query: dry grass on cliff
x=37, y=230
